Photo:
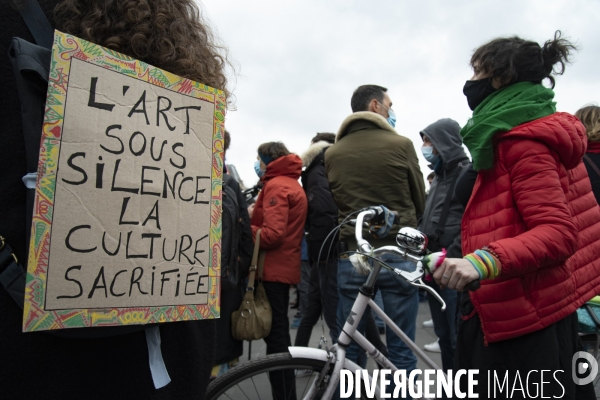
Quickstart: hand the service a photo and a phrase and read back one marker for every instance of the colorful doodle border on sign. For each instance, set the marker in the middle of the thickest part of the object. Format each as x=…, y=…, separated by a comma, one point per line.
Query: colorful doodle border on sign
x=35, y=318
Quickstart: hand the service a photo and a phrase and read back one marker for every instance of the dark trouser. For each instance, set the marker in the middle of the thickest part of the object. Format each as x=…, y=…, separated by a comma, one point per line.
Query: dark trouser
x=227, y=348
x=401, y=304
x=322, y=296
x=303, y=287
x=444, y=322
x=372, y=334
x=324, y=277
x=531, y=361
x=278, y=341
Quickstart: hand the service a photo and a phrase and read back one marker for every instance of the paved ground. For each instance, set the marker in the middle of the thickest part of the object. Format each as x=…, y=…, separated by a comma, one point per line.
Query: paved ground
x=423, y=336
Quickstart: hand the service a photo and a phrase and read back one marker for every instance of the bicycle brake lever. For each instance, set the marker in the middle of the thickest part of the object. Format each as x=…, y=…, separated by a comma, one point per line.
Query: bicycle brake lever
x=415, y=278
x=431, y=291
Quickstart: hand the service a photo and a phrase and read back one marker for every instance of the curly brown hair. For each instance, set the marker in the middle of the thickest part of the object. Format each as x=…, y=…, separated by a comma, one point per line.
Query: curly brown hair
x=590, y=118
x=169, y=34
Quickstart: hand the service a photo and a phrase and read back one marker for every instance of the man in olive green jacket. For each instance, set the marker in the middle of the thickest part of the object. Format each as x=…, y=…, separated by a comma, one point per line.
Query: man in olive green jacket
x=371, y=164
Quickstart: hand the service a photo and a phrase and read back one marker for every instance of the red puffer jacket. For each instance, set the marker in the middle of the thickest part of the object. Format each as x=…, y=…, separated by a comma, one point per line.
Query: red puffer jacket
x=536, y=211
x=281, y=213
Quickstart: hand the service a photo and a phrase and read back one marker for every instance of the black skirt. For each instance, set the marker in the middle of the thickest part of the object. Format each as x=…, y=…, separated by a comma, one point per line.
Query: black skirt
x=537, y=365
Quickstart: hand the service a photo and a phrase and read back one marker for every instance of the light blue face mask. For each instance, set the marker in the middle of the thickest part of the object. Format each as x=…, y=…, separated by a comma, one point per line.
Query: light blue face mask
x=391, y=118
x=259, y=172
x=428, y=154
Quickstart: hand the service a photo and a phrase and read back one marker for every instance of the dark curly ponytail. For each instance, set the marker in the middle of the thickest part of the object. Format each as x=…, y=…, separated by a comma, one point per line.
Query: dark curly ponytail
x=515, y=60
x=556, y=51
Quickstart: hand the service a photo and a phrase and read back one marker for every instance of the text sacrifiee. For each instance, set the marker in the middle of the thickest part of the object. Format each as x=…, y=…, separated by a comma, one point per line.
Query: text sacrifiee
x=132, y=205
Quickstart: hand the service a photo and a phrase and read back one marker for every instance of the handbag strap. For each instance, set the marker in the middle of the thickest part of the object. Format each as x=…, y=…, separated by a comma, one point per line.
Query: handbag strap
x=36, y=21
x=254, y=265
x=591, y=163
x=261, y=264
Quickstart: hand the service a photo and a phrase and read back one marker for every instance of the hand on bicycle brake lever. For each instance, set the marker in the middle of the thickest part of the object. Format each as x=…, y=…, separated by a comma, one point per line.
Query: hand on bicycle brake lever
x=453, y=271
x=433, y=260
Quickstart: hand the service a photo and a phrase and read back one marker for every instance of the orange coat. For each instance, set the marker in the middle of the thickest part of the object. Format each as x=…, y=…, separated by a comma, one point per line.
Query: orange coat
x=280, y=212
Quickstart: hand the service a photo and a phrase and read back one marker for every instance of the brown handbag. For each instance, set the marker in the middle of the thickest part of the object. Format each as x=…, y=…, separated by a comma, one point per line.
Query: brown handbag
x=253, y=320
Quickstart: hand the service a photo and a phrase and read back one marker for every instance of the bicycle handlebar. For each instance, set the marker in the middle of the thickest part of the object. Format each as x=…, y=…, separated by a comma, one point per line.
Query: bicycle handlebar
x=250, y=192
x=416, y=255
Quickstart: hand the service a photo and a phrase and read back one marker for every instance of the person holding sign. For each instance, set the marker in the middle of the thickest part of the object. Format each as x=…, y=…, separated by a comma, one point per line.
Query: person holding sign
x=280, y=213
x=168, y=34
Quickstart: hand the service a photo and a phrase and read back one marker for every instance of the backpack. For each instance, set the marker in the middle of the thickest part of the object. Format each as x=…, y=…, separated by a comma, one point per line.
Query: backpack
x=236, y=236
x=31, y=68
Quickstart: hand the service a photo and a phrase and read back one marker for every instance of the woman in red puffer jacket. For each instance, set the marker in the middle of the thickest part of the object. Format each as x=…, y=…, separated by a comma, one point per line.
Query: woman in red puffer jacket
x=280, y=213
x=531, y=228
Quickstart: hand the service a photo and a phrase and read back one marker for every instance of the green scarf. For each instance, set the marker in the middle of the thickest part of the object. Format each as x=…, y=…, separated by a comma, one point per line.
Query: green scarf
x=500, y=112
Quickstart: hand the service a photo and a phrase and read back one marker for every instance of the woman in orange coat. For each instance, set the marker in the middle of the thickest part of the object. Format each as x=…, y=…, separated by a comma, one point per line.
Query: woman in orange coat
x=280, y=213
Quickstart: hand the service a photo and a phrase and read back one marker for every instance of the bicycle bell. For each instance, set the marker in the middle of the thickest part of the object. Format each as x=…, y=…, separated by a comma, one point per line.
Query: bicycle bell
x=412, y=240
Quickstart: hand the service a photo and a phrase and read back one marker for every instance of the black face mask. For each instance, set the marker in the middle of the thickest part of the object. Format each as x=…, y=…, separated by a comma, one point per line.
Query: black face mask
x=477, y=91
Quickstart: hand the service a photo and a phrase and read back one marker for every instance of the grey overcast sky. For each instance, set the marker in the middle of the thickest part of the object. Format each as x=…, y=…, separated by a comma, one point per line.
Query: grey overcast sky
x=298, y=62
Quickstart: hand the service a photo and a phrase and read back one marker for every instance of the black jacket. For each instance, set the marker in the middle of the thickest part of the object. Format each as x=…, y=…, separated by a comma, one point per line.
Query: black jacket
x=229, y=348
x=41, y=366
x=445, y=137
x=594, y=177
x=322, y=211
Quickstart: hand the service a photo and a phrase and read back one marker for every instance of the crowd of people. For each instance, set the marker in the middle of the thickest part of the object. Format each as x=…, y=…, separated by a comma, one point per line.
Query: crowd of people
x=520, y=215
x=95, y=363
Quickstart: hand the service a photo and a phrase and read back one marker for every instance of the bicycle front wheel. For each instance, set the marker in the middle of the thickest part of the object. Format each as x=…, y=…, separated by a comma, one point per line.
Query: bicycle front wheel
x=276, y=376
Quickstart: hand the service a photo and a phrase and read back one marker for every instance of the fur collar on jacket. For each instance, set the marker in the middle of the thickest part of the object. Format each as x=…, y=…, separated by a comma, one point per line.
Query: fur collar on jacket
x=366, y=116
x=313, y=151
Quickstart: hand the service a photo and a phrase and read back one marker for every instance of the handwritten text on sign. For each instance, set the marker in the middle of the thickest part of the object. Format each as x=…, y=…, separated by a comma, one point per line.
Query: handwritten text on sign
x=132, y=201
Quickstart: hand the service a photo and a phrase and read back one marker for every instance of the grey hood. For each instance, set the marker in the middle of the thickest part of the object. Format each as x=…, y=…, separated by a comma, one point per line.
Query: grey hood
x=445, y=137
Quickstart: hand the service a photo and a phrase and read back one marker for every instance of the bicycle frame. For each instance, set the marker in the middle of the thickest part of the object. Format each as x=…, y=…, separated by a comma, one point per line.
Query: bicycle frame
x=349, y=331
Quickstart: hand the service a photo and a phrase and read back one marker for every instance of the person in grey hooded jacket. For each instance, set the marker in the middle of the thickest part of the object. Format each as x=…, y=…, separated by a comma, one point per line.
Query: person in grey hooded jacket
x=442, y=147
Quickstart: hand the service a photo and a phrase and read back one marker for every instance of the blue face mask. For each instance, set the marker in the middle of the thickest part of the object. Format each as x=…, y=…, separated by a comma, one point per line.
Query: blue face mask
x=428, y=154
x=259, y=172
x=391, y=118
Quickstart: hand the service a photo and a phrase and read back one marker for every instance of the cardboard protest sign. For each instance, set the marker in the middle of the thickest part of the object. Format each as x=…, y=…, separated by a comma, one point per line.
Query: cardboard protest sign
x=127, y=218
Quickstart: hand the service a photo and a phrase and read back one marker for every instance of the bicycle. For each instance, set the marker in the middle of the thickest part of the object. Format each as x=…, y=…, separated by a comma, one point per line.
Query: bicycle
x=316, y=372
